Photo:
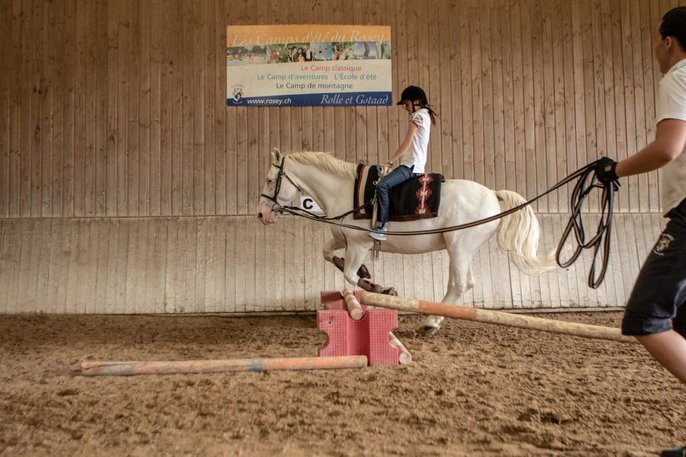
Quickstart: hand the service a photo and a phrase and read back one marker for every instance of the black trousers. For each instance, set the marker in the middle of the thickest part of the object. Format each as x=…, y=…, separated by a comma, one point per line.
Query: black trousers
x=659, y=293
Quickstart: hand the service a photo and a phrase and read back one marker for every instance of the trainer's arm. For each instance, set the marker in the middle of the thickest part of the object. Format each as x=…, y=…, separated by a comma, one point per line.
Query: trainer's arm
x=669, y=143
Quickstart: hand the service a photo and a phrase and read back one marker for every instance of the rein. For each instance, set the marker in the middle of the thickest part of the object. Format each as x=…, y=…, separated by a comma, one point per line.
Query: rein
x=584, y=186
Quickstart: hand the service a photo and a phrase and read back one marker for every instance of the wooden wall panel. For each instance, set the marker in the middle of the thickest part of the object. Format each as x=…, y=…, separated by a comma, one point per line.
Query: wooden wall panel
x=116, y=109
x=234, y=264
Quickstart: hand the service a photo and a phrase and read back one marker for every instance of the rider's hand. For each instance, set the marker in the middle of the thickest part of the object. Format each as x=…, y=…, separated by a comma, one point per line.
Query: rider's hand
x=605, y=170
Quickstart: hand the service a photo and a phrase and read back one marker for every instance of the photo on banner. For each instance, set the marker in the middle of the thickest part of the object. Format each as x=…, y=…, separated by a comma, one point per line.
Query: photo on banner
x=308, y=65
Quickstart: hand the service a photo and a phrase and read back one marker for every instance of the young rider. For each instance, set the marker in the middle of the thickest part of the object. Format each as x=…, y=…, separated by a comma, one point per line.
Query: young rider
x=410, y=156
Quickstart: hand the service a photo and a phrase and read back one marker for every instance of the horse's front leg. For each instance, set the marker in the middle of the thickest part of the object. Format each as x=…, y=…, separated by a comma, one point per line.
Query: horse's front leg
x=354, y=255
x=329, y=252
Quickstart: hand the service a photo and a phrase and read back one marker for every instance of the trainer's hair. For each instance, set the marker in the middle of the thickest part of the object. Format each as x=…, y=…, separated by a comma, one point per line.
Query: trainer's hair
x=674, y=24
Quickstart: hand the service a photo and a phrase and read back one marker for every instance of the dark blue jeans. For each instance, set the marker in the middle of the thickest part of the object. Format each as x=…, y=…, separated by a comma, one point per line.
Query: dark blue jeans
x=392, y=179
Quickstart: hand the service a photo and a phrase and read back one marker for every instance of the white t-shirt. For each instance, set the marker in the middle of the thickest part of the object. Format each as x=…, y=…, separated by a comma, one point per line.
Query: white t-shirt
x=417, y=153
x=671, y=104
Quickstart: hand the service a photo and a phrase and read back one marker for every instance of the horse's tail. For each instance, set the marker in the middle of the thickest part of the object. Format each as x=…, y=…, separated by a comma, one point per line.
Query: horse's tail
x=518, y=235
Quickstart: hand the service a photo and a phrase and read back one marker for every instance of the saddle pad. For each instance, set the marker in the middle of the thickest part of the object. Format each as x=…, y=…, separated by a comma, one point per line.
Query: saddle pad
x=417, y=198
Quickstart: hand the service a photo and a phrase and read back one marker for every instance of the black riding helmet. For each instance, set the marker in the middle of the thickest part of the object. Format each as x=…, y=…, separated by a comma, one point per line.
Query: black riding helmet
x=413, y=94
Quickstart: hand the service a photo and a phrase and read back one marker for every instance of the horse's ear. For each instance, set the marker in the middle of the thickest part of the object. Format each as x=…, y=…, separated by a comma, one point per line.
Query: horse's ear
x=276, y=155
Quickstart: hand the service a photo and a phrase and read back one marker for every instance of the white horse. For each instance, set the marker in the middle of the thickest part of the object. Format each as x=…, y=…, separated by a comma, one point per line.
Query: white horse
x=330, y=182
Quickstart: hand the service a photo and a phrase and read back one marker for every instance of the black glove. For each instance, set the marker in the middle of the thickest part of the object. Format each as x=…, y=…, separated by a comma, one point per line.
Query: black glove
x=605, y=170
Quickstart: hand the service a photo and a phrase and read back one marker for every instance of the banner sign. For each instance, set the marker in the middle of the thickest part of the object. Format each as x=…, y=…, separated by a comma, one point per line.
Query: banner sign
x=308, y=65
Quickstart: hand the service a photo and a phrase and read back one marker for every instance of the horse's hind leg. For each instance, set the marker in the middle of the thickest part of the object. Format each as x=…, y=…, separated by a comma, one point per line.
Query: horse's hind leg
x=329, y=250
x=460, y=280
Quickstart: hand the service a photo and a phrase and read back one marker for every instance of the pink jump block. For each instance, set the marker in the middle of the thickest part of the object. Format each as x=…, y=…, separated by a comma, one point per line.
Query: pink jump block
x=367, y=336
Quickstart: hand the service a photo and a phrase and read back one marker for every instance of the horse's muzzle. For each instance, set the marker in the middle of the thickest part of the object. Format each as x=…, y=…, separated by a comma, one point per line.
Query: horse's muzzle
x=262, y=218
x=266, y=214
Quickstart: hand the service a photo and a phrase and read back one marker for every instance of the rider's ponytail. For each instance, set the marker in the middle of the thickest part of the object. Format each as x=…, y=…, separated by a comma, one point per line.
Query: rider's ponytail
x=432, y=113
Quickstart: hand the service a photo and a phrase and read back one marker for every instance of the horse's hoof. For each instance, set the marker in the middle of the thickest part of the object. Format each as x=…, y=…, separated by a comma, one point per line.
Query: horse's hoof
x=377, y=289
x=433, y=322
x=369, y=286
x=339, y=263
x=430, y=331
x=390, y=291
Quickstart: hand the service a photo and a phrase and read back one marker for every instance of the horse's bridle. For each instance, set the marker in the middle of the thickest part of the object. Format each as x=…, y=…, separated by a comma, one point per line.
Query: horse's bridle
x=277, y=188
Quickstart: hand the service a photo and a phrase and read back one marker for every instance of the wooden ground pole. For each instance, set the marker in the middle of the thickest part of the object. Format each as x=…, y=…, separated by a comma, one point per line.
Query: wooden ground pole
x=494, y=317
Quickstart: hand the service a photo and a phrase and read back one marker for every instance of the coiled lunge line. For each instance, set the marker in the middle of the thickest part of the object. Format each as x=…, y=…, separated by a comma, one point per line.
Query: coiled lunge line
x=601, y=240
x=586, y=182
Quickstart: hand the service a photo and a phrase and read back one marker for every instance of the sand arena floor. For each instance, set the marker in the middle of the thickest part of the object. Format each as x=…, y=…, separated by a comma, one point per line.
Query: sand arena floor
x=472, y=390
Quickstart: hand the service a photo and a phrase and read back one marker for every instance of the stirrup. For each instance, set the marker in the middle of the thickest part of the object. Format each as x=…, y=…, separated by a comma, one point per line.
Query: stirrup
x=376, y=248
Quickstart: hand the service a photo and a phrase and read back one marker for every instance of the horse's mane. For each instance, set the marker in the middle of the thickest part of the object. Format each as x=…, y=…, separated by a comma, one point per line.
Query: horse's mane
x=324, y=161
